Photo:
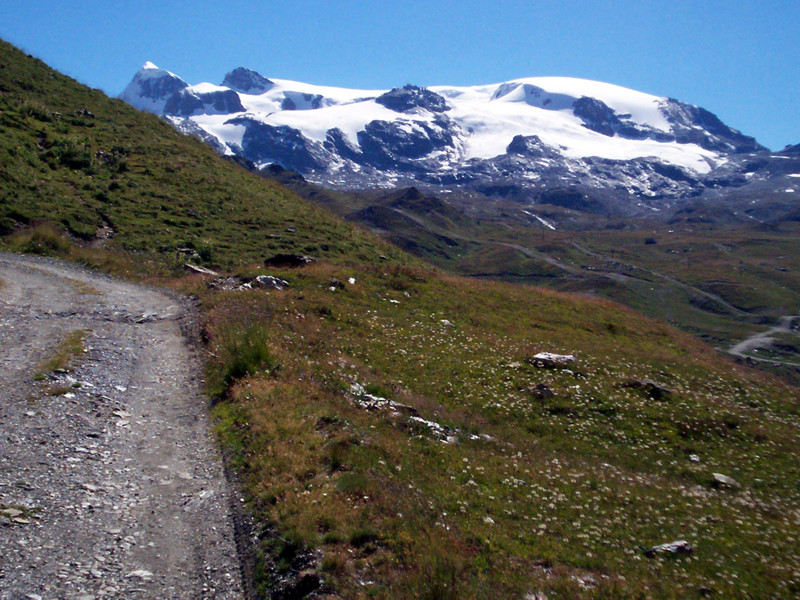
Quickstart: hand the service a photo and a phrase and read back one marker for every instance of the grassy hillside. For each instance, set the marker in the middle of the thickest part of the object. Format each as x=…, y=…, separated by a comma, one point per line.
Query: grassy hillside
x=394, y=435
x=98, y=169
x=721, y=282
x=543, y=480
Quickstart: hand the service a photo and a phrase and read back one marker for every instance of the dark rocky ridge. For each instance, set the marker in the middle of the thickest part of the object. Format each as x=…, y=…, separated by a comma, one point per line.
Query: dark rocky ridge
x=409, y=97
x=247, y=81
x=162, y=86
x=185, y=103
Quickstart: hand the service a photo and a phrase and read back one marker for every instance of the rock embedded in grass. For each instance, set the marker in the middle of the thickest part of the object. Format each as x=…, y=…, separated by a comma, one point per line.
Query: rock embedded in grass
x=724, y=480
x=655, y=390
x=678, y=547
x=289, y=260
x=549, y=360
x=541, y=391
x=268, y=282
x=200, y=270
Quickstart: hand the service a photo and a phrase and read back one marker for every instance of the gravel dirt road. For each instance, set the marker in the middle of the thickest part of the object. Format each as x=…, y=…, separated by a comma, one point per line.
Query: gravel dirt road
x=110, y=483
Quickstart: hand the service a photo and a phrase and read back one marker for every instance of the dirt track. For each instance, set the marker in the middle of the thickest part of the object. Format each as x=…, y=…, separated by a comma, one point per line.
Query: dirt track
x=764, y=339
x=110, y=483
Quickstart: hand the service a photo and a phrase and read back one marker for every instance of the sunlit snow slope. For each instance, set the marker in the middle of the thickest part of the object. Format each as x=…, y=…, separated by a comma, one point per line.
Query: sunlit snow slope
x=536, y=130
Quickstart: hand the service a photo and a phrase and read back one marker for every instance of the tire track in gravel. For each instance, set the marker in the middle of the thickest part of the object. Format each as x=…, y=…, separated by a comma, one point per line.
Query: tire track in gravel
x=112, y=488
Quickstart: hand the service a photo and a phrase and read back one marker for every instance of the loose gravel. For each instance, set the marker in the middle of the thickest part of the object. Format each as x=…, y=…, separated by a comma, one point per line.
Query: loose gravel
x=110, y=482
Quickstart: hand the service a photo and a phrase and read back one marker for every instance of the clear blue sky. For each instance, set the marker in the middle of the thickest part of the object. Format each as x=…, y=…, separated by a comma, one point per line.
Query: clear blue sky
x=738, y=59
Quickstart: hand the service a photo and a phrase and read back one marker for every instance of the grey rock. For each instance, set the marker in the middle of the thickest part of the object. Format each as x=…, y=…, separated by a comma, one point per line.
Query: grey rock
x=655, y=390
x=289, y=260
x=225, y=283
x=410, y=97
x=724, y=480
x=187, y=102
x=247, y=81
x=681, y=547
x=269, y=282
x=201, y=270
x=541, y=391
x=549, y=360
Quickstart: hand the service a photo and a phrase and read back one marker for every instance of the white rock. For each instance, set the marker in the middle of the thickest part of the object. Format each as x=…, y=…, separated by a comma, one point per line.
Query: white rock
x=140, y=573
x=561, y=358
x=676, y=547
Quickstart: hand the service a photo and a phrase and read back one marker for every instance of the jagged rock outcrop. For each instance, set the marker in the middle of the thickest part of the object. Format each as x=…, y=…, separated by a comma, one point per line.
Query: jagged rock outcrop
x=186, y=103
x=410, y=97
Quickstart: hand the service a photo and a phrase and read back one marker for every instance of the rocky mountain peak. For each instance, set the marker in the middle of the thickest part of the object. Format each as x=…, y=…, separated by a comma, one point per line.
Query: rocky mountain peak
x=410, y=97
x=247, y=81
x=619, y=150
x=151, y=87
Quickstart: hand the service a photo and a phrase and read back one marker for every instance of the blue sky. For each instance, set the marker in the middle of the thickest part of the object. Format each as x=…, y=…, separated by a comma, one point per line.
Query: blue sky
x=738, y=59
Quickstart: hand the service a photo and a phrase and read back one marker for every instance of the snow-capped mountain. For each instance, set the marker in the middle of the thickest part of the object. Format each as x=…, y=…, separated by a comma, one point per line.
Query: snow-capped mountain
x=526, y=136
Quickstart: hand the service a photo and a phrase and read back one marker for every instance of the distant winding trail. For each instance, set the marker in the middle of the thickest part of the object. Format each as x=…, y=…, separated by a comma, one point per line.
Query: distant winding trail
x=764, y=340
x=110, y=482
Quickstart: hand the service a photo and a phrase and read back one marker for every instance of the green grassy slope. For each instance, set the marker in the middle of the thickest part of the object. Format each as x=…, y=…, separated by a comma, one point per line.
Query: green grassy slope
x=550, y=491
x=393, y=437
x=158, y=191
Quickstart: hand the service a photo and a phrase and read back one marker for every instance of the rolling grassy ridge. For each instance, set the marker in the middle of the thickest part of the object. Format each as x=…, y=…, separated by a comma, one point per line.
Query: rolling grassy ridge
x=393, y=437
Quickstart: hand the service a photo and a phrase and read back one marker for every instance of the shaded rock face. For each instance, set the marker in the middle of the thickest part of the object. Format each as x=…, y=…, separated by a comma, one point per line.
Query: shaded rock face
x=531, y=146
x=389, y=144
x=601, y=118
x=263, y=143
x=597, y=115
x=409, y=97
x=247, y=81
x=712, y=134
x=337, y=143
x=186, y=103
x=161, y=87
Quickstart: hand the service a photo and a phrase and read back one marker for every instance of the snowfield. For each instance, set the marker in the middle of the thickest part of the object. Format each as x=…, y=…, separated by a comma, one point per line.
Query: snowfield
x=489, y=116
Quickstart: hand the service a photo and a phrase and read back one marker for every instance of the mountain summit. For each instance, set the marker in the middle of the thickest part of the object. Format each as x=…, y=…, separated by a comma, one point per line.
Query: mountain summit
x=151, y=87
x=640, y=151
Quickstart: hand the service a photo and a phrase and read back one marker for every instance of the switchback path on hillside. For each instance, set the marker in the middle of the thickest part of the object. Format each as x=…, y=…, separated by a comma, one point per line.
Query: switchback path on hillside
x=110, y=482
x=764, y=340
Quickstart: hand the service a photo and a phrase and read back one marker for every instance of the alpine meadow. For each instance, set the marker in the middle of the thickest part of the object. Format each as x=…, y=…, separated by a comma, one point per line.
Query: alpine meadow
x=403, y=413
